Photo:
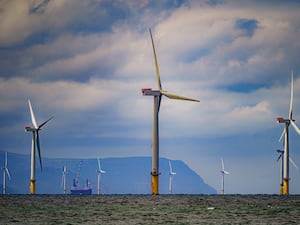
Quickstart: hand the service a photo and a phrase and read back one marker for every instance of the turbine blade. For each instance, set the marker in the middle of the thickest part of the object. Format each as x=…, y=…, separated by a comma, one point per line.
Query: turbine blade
x=7, y=172
x=170, y=167
x=156, y=64
x=34, y=123
x=292, y=96
x=5, y=164
x=282, y=134
x=295, y=126
x=65, y=169
x=226, y=172
x=40, y=126
x=294, y=164
x=159, y=101
x=173, y=96
x=39, y=149
x=279, y=157
x=99, y=166
x=222, y=162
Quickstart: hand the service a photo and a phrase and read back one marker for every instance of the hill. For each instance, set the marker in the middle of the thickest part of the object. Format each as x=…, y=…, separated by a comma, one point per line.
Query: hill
x=124, y=175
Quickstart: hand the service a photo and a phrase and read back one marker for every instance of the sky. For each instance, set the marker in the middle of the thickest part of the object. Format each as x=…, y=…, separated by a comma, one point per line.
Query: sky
x=85, y=63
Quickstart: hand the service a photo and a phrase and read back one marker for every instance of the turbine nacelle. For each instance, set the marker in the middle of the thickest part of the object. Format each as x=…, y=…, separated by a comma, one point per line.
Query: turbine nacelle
x=150, y=92
x=29, y=129
x=282, y=120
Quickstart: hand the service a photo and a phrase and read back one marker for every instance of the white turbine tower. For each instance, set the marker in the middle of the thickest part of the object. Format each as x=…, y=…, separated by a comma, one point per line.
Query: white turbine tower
x=171, y=174
x=223, y=172
x=64, y=179
x=157, y=94
x=35, y=142
x=281, y=153
x=99, y=172
x=287, y=122
x=5, y=172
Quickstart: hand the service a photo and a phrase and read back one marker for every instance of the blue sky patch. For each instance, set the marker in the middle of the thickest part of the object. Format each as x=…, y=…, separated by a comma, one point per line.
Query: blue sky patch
x=248, y=25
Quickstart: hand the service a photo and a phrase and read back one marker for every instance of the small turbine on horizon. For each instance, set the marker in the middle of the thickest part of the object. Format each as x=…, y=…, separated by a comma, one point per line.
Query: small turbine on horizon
x=157, y=94
x=5, y=172
x=64, y=179
x=223, y=172
x=99, y=172
x=35, y=142
x=285, y=133
x=171, y=174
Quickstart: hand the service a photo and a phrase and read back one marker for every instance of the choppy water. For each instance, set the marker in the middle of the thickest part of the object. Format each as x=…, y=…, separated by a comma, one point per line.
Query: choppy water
x=147, y=209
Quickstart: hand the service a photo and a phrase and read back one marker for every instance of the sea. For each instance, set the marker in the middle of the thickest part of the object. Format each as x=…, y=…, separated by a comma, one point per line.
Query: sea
x=149, y=209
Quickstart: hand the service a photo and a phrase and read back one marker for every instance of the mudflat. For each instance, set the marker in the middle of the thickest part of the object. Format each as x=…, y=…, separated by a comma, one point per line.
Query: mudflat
x=147, y=209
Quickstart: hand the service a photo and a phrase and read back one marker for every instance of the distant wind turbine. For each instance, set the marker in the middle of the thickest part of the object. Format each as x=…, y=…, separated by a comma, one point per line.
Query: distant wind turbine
x=281, y=153
x=285, y=132
x=157, y=94
x=5, y=172
x=171, y=174
x=99, y=172
x=64, y=179
x=223, y=172
x=35, y=142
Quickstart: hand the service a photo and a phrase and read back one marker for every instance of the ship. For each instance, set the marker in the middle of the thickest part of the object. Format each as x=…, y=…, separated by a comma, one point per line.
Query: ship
x=75, y=190
x=87, y=190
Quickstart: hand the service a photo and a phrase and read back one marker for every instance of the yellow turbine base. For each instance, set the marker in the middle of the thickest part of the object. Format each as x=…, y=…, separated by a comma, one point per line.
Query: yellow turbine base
x=281, y=189
x=154, y=184
x=285, y=190
x=32, y=187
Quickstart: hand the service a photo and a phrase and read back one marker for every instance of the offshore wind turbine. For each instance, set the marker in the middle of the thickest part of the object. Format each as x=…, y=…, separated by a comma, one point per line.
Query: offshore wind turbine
x=64, y=179
x=157, y=94
x=281, y=153
x=171, y=174
x=99, y=172
x=223, y=172
x=35, y=143
x=5, y=172
x=287, y=122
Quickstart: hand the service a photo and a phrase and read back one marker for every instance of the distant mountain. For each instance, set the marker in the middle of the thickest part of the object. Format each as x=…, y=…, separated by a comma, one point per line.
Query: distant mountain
x=124, y=175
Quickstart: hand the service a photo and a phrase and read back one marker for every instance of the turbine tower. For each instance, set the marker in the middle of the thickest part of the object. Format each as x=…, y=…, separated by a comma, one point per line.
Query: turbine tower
x=99, y=172
x=287, y=122
x=157, y=94
x=5, y=172
x=64, y=179
x=35, y=142
x=281, y=153
x=171, y=174
x=223, y=172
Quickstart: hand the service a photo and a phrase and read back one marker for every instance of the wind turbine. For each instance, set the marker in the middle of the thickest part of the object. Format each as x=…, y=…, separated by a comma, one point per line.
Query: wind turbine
x=157, y=94
x=281, y=153
x=171, y=174
x=99, y=172
x=64, y=179
x=223, y=172
x=5, y=172
x=35, y=142
x=287, y=122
